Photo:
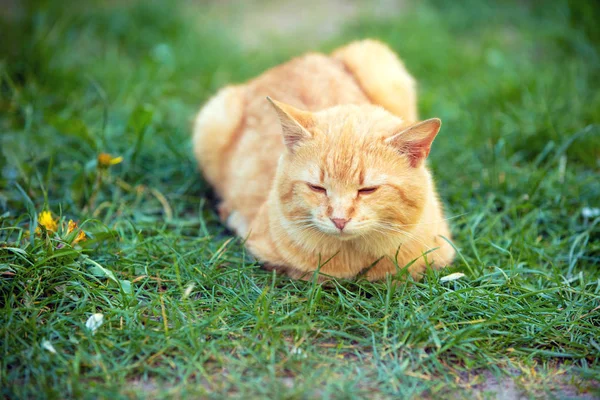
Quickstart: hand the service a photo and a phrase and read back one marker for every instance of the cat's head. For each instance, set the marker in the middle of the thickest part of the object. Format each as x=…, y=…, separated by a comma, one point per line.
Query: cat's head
x=353, y=171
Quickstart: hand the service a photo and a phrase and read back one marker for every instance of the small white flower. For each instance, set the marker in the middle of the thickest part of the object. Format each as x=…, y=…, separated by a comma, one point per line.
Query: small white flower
x=452, y=277
x=48, y=346
x=589, y=212
x=298, y=352
x=94, y=322
x=188, y=291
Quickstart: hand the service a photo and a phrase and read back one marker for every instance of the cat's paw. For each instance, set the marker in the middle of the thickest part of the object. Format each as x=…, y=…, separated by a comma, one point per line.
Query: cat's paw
x=238, y=223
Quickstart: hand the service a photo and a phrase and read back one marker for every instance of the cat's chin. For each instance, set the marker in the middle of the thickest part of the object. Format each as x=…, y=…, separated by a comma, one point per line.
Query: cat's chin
x=344, y=236
x=341, y=235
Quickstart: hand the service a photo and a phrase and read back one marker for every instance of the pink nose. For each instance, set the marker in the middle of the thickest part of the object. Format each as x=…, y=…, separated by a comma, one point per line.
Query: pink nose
x=340, y=223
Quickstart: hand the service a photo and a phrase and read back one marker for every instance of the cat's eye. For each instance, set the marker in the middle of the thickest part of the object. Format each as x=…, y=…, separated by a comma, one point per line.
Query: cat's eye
x=367, y=190
x=317, y=188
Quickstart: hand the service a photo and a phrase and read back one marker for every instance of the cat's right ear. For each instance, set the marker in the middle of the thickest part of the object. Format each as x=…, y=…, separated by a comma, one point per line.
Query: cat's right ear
x=295, y=124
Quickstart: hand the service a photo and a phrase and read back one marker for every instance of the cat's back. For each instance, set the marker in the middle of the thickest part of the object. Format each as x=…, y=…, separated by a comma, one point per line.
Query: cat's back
x=313, y=81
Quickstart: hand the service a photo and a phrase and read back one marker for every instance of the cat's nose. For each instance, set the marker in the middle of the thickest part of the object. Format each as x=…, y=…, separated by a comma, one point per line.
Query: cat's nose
x=340, y=223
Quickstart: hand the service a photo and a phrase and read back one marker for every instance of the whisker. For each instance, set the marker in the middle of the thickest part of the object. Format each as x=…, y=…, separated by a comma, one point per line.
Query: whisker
x=406, y=233
x=438, y=221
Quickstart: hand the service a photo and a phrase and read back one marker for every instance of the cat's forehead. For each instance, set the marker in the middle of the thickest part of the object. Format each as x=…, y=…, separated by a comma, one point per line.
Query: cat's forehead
x=343, y=161
x=349, y=157
x=339, y=167
x=351, y=150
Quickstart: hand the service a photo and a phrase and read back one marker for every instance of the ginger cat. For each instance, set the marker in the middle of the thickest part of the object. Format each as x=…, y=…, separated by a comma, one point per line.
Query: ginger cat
x=331, y=175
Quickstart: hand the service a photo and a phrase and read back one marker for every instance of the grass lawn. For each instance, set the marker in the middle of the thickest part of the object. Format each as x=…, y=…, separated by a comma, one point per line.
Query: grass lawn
x=187, y=313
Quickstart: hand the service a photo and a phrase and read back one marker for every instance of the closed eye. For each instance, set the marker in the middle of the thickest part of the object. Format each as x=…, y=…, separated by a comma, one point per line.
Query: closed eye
x=367, y=190
x=317, y=188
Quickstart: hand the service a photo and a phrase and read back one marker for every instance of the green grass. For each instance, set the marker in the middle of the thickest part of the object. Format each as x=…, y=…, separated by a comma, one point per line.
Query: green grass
x=189, y=314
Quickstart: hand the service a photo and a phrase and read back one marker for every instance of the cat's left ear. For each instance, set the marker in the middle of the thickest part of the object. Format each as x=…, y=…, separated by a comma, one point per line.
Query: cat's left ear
x=295, y=124
x=415, y=141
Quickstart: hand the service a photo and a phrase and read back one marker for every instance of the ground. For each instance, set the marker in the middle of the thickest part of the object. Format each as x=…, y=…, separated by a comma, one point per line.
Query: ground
x=186, y=313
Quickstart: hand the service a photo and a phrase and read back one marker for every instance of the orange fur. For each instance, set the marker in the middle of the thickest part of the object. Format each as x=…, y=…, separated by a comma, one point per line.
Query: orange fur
x=348, y=183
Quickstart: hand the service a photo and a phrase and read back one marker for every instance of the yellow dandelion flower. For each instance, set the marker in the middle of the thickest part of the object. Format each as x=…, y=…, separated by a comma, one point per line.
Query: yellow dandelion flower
x=45, y=219
x=73, y=226
x=105, y=160
x=79, y=238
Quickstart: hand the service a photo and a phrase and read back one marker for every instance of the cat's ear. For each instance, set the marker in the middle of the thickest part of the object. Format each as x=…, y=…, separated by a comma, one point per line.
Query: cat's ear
x=295, y=124
x=415, y=141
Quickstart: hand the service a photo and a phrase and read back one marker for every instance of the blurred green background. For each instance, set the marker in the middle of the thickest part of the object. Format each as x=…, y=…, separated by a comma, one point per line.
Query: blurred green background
x=517, y=165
